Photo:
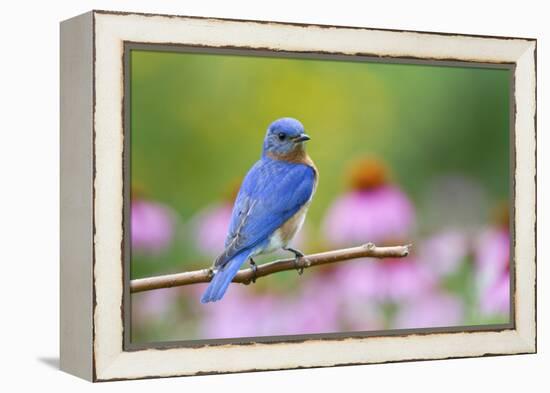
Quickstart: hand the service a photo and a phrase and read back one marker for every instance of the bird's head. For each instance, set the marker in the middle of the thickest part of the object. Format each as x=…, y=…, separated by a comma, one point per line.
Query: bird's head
x=284, y=137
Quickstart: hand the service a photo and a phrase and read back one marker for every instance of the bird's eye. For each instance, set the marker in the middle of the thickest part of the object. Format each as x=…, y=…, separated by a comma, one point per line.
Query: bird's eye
x=281, y=136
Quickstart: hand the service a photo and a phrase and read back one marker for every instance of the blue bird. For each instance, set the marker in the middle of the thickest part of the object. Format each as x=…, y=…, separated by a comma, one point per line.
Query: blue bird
x=271, y=205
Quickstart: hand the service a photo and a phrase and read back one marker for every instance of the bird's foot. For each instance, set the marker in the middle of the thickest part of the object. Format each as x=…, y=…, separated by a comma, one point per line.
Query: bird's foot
x=297, y=255
x=254, y=268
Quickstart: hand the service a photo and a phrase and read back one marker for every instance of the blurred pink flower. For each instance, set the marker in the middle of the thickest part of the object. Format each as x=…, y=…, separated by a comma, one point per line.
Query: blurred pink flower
x=493, y=270
x=359, y=315
x=373, y=210
x=401, y=279
x=373, y=215
x=366, y=286
x=495, y=299
x=358, y=279
x=357, y=288
x=150, y=305
x=444, y=252
x=315, y=310
x=492, y=254
x=153, y=226
x=242, y=313
x=246, y=314
x=388, y=280
x=434, y=310
x=210, y=228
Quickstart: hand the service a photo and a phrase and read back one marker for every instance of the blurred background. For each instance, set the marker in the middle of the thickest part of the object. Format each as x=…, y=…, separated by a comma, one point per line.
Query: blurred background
x=406, y=153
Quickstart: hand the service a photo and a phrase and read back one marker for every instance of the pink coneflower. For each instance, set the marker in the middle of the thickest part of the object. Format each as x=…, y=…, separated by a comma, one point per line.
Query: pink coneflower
x=315, y=310
x=493, y=271
x=444, y=251
x=366, y=286
x=210, y=228
x=492, y=262
x=492, y=255
x=379, y=212
x=152, y=226
x=241, y=314
x=372, y=211
x=152, y=305
x=404, y=278
x=388, y=280
x=210, y=225
x=358, y=289
x=437, y=309
x=495, y=299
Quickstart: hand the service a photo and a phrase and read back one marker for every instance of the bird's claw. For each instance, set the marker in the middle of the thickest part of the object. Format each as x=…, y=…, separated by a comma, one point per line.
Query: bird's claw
x=254, y=268
x=299, y=269
x=297, y=254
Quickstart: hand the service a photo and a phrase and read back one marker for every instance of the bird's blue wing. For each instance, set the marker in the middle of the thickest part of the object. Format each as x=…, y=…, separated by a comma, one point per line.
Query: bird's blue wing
x=271, y=193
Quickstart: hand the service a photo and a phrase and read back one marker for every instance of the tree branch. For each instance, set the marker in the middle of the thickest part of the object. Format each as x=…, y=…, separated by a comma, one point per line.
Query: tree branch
x=245, y=276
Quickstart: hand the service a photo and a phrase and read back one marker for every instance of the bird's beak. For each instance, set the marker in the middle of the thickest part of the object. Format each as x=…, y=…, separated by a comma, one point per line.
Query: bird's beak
x=302, y=138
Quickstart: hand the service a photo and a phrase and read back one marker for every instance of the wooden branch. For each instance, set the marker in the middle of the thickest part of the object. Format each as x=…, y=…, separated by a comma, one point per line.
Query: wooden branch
x=245, y=276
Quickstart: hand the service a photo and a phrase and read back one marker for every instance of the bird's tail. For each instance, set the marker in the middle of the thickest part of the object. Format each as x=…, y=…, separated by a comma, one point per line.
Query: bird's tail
x=218, y=286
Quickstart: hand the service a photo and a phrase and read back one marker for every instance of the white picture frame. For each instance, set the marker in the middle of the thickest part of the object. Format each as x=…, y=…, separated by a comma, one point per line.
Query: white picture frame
x=93, y=277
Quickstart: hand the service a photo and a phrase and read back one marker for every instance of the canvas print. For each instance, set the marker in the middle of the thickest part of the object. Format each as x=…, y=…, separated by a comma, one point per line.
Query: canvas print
x=238, y=160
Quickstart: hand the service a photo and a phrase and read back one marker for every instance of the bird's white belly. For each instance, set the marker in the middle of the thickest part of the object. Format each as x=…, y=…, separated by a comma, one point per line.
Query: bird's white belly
x=275, y=242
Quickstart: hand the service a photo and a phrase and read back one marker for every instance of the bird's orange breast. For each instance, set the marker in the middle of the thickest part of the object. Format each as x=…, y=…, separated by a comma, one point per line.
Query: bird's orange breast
x=289, y=229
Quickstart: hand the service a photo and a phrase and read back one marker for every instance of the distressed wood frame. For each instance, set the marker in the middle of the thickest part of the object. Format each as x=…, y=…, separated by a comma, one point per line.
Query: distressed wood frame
x=93, y=157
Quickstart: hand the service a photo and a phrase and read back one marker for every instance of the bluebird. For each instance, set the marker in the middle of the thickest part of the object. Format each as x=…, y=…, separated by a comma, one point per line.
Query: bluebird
x=271, y=205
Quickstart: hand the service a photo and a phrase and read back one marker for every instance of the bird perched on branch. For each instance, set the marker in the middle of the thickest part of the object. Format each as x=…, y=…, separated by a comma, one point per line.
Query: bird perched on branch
x=271, y=205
